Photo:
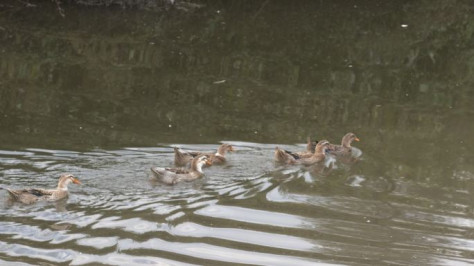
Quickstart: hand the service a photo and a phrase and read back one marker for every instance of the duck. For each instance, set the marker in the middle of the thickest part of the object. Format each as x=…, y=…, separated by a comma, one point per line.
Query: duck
x=171, y=176
x=183, y=158
x=286, y=157
x=310, y=148
x=32, y=195
x=345, y=148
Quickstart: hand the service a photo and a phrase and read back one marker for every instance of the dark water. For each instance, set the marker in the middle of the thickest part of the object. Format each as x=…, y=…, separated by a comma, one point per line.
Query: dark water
x=107, y=97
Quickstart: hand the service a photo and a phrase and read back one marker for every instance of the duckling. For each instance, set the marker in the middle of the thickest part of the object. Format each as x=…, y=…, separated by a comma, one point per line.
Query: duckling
x=282, y=156
x=32, y=195
x=183, y=158
x=310, y=148
x=171, y=176
x=345, y=148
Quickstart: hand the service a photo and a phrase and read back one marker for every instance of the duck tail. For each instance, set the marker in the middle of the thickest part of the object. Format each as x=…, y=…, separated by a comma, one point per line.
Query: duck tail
x=280, y=155
x=177, y=152
x=311, y=145
x=156, y=171
x=12, y=193
x=181, y=158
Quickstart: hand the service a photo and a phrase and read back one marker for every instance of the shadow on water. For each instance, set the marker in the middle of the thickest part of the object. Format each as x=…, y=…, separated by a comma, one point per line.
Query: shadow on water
x=75, y=93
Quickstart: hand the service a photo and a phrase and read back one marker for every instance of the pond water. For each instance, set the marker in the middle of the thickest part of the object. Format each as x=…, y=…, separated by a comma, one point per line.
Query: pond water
x=247, y=211
x=108, y=97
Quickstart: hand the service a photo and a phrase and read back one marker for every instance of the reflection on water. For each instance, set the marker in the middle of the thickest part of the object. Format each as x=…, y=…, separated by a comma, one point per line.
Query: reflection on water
x=143, y=77
x=247, y=211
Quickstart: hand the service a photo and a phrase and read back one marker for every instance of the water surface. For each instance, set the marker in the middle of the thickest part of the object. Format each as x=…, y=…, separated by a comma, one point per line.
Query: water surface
x=107, y=97
x=247, y=211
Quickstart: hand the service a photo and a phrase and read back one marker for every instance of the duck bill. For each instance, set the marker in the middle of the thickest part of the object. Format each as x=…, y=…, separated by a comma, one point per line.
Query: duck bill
x=208, y=162
x=76, y=181
x=357, y=139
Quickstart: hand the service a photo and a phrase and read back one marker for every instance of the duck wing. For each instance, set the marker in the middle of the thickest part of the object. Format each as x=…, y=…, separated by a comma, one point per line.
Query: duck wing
x=30, y=195
x=282, y=156
x=171, y=176
x=338, y=150
x=217, y=159
x=162, y=171
x=181, y=158
x=39, y=192
x=312, y=160
x=29, y=191
x=304, y=154
x=177, y=170
x=296, y=156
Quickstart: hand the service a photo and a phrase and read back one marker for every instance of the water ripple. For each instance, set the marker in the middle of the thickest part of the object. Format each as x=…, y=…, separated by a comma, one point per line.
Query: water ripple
x=34, y=233
x=98, y=242
x=135, y=225
x=123, y=259
x=217, y=253
x=247, y=236
x=52, y=255
x=256, y=216
x=249, y=211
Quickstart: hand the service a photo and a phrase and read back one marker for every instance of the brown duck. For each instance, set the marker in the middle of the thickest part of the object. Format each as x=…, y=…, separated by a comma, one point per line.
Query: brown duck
x=32, y=195
x=310, y=148
x=285, y=157
x=345, y=148
x=171, y=176
x=183, y=158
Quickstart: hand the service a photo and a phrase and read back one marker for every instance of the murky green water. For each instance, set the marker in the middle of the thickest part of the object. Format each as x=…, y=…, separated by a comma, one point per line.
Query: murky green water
x=107, y=97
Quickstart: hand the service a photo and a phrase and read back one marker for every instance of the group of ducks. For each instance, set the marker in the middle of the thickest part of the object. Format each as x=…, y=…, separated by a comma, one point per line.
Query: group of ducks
x=315, y=153
x=197, y=160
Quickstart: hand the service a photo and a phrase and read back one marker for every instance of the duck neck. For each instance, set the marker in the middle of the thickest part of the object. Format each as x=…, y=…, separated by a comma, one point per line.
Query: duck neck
x=198, y=168
x=319, y=151
x=197, y=165
x=346, y=143
x=62, y=185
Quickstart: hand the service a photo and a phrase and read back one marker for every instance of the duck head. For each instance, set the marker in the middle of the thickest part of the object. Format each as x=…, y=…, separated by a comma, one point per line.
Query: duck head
x=348, y=138
x=200, y=161
x=65, y=179
x=322, y=147
x=224, y=148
